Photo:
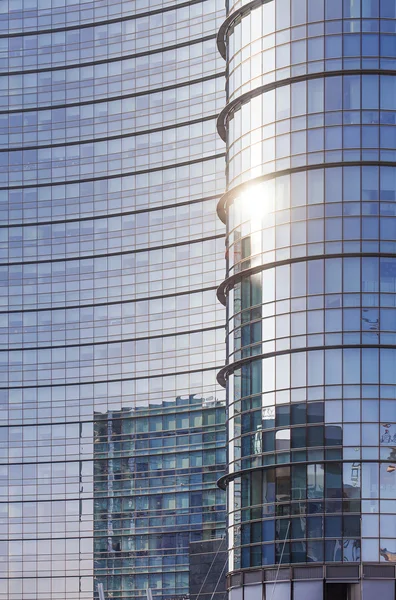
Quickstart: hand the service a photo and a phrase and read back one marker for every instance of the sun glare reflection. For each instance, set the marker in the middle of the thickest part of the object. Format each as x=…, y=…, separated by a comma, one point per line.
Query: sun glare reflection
x=254, y=203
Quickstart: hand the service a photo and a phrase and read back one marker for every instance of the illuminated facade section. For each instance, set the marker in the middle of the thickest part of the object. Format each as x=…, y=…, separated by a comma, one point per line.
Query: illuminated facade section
x=110, y=171
x=310, y=291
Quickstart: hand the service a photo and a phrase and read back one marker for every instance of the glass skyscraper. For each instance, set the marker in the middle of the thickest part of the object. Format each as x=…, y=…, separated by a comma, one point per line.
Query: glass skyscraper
x=310, y=290
x=111, y=334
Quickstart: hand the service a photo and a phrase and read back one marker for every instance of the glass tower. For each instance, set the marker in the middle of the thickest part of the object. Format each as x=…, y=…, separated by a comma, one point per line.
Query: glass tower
x=110, y=255
x=310, y=290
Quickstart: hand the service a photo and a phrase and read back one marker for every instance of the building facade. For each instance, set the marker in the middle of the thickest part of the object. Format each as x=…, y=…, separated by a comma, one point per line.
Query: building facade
x=208, y=568
x=155, y=499
x=310, y=291
x=110, y=256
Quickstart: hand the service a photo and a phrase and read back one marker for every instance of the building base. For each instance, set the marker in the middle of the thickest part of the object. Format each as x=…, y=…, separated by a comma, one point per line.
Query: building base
x=316, y=582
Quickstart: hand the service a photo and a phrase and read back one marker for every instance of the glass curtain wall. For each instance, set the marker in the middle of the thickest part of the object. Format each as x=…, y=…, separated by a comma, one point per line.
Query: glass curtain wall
x=310, y=208
x=110, y=170
x=155, y=473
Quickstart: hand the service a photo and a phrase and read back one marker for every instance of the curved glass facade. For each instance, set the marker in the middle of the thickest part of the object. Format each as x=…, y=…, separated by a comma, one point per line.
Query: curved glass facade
x=310, y=292
x=112, y=422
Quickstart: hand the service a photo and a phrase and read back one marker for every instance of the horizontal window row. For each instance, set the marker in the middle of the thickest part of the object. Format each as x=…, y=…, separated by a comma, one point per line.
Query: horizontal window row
x=335, y=235
x=104, y=41
x=110, y=79
x=254, y=417
x=301, y=528
x=30, y=414
x=107, y=158
x=348, y=92
x=114, y=234
x=168, y=542
x=108, y=289
x=140, y=485
x=141, y=142
x=158, y=518
x=316, y=368
x=71, y=493
x=261, y=61
x=349, y=275
x=24, y=554
x=106, y=430
x=140, y=394
x=113, y=117
x=199, y=469
x=259, y=25
x=313, y=507
x=200, y=453
x=143, y=223
x=251, y=163
x=313, y=328
x=331, y=481
x=292, y=308
x=119, y=507
x=78, y=283
x=168, y=345
x=123, y=483
x=28, y=15
x=42, y=270
x=103, y=196
x=314, y=435
x=153, y=432
x=349, y=453
x=157, y=485
x=306, y=307
x=292, y=13
x=254, y=142
x=317, y=436
x=125, y=359
x=184, y=522
x=110, y=323
x=340, y=188
x=108, y=244
x=187, y=460
x=340, y=550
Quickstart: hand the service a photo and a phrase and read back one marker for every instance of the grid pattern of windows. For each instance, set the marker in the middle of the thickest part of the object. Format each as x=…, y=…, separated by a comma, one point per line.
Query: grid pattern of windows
x=348, y=504
x=280, y=40
x=154, y=479
x=340, y=118
x=111, y=422
x=310, y=286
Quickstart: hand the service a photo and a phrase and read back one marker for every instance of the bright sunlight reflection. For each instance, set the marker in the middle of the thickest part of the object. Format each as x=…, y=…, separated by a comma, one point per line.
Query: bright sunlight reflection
x=254, y=202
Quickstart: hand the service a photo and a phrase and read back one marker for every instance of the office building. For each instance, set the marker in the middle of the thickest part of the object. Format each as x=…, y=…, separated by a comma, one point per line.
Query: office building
x=155, y=473
x=310, y=209
x=110, y=256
